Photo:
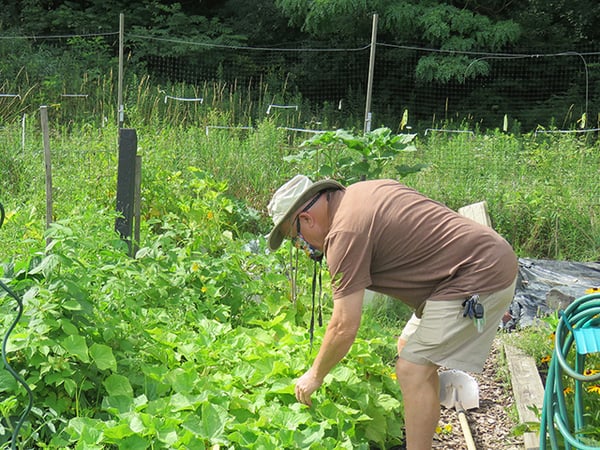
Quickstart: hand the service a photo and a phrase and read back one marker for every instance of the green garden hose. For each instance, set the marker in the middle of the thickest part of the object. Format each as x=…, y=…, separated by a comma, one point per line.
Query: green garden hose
x=15, y=375
x=579, y=324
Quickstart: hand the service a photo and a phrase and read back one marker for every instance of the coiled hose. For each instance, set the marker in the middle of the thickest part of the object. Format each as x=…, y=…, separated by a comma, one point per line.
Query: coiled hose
x=579, y=324
x=15, y=375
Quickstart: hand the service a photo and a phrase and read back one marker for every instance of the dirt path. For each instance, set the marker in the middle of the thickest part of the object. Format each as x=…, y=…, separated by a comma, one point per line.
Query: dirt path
x=490, y=424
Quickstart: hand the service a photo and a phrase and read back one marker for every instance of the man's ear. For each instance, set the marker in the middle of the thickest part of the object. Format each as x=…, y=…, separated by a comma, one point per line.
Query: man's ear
x=306, y=219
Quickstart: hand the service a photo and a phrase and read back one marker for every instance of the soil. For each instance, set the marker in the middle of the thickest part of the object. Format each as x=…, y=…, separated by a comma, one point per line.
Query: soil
x=491, y=424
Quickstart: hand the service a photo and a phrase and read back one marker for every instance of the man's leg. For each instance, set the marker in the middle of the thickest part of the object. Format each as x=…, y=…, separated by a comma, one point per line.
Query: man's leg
x=401, y=344
x=420, y=388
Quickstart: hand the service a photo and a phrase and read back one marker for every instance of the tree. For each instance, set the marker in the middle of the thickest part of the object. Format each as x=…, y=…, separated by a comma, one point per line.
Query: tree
x=425, y=23
x=260, y=21
x=557, y=25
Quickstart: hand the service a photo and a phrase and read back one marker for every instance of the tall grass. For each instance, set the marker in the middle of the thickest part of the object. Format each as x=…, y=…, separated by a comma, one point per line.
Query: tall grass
x=222, y=104
x=542, y=191
x=88, y=93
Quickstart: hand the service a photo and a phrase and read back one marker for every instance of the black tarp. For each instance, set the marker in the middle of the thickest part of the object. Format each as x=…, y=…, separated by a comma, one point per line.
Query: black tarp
x=545, y=286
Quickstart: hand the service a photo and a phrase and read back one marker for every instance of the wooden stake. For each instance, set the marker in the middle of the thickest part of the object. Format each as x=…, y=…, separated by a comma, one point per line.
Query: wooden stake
x=48, y=163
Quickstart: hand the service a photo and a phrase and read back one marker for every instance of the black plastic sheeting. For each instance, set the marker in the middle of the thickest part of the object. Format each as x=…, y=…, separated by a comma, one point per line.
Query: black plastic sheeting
x=546, y=286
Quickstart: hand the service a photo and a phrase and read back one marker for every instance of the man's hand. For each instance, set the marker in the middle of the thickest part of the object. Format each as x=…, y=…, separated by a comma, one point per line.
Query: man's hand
x=305, y=386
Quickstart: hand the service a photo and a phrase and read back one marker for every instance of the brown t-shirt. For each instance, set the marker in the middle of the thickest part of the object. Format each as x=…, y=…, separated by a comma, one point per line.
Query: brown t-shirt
x=389, y=238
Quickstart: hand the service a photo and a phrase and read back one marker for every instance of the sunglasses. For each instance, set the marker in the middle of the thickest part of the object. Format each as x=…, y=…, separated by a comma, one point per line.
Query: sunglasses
x=299, y=242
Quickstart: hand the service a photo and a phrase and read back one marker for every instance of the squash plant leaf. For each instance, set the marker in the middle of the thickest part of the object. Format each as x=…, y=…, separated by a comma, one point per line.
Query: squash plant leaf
x=211, y=423
x=118, y=385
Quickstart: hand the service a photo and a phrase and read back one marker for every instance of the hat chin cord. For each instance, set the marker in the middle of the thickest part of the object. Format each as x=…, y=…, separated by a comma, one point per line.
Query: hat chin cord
x=317, y=277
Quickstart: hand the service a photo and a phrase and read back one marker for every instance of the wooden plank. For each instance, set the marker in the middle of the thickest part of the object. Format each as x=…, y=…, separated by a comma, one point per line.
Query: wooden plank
x=527, y=390
x=477, y=212
x=526, y=383
x=137, y=204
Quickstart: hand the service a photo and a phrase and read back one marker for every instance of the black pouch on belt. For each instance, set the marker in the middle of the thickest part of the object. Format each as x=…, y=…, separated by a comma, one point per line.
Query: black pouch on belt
x=474, y=310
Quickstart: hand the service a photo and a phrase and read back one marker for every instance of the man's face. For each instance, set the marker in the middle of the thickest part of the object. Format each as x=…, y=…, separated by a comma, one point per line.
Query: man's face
x=294, y=230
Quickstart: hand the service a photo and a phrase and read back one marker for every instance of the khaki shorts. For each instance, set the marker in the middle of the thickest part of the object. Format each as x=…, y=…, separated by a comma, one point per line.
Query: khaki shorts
x=445, y=338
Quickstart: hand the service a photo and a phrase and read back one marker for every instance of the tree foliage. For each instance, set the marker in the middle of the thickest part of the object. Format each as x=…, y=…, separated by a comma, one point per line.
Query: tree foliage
x=463, y=25
x=557, y=25
x=432, y=24
x=452, y=36
x=337, y=20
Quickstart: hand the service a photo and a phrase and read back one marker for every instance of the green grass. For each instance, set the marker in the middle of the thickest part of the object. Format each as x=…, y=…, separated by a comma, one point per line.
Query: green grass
x=542, y=193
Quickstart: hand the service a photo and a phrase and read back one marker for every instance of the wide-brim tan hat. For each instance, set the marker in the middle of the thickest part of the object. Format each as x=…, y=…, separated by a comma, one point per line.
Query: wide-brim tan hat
x=288, y=198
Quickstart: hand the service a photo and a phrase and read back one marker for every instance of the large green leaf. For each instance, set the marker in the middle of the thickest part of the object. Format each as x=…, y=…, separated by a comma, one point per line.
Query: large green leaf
x=119, y=432
x=182, y=381
x=86, y=430
x=118, y=385
x=7, y=381
x=76, y=345
x=103, y=357
x=211, y=423
x=134, y=443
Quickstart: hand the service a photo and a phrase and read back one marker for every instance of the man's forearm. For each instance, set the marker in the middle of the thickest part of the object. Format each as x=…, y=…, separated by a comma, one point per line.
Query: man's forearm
x=340, y=334
x=335, y=346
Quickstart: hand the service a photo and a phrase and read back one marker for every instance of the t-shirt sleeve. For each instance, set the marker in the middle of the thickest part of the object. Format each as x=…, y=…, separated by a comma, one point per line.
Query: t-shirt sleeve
x=349, y=260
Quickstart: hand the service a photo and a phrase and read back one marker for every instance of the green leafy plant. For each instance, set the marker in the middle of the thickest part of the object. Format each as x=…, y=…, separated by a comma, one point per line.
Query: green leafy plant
x=348, y=157
x=193, y=343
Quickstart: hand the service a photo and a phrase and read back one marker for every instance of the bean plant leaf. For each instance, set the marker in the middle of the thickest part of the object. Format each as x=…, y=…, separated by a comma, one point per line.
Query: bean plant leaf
x=46, y=265
x=7, y=382
x=77, y=346
x=103, y=357
x=70, y=386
